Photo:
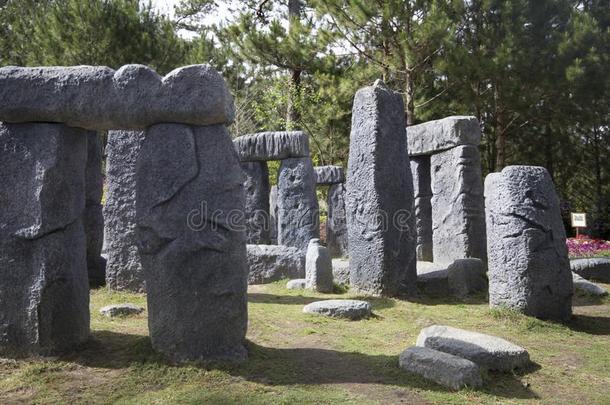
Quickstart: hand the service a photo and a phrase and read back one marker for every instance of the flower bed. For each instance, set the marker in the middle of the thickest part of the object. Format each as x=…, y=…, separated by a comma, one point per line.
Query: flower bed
x=585, y=247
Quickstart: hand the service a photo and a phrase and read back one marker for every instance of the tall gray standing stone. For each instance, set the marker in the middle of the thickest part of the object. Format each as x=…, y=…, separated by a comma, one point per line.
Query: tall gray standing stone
x=318, y=268
x=273, y=215
x=529, y=270
x=93, y=218
x=44, y=291
x=298, y=219
x=124, y=267
x=380, y=209
x=336, y=224
x=458, y=205
x=256, y=185
x=422, y=191
x=193, y=247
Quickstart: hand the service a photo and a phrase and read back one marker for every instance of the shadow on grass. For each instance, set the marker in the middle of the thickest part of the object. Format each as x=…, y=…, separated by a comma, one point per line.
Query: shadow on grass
x=474, y=299
x=277, y=367
x=593, y=325
x=583, y=300
x=262, y=298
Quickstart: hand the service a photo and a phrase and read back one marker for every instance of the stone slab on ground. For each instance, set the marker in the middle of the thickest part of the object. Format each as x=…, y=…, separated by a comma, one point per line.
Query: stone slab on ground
x=586, y=287
x=296, y=284
x=269, y=263
x=489, y=352
x=443, y=368
x=595, y=268
x=265, y=146
x=348, y=309
x=121, y=310
x=432, y=279
x=439, y=135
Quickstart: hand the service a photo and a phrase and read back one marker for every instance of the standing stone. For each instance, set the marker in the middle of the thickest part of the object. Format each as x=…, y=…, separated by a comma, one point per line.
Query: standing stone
x=529, y=270
x=336, y=224
x=422, y=191
x=298, y=219
x=44, y=291
x=273, y=215
x=380, y=217
x=93, y=218
x=193, y=247
x=257, y=202
x=124, y=267
x=458, y=206
x=318, y=268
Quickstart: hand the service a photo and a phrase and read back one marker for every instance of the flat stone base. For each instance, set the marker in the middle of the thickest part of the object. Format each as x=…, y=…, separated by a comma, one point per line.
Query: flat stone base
x=348, y=309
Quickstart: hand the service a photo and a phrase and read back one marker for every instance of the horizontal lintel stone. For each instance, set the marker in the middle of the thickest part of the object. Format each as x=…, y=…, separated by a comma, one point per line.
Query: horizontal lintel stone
x=439, y=135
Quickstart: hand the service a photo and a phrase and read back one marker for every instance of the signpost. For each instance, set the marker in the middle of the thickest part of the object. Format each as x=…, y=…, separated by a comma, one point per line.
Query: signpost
x=579, y=220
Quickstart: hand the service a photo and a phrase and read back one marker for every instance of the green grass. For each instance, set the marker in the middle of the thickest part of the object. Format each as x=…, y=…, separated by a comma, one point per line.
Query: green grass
x=300, y=358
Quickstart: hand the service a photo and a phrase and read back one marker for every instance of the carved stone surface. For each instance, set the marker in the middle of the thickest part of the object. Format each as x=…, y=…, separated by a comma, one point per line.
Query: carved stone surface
x=257, y=202
x=269, y=263
x=124, y=266
x=422, y=191
x=435, y=136
x=298, y=219
x=318, y=268
x=97, y=97
x=44, y=291
x=273, y=215
x=272, y=146
x=379, y=203
x=93, y=219
x=193, y=249
x=458, y=205
x=529, y=270
x=336, y=223
x=329, y=174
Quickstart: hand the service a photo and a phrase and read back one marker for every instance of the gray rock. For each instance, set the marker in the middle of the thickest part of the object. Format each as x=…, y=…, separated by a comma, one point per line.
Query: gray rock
x=439, y=135
x=329, y=174
x=97, y=97
x=256, y=185
x=124, y=266
x=193, y=247
x=336, y=223
x=528, y=266
x=269, y=263
x=296, y=284
x=379, y=203
x=422, y=191
x=587, y=287
x=458, y=205
x=273, y=215
x=489, y=352
x=349, y=309
x=44, y=291
x=595, y=268
x=298, y=218
x=264, y=146
x=432, y=279
x=341, y=271
x=443, y=368
x=318, y=267
x=466, y=276
x=112, y=311
x=93, y=219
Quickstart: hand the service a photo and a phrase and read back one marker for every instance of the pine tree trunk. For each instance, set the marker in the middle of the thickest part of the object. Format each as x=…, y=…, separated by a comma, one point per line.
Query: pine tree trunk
x=500, y=133
x=292, y=111
x=410, y=92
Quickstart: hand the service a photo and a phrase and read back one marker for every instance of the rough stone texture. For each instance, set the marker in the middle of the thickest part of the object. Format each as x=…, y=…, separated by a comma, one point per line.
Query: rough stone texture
x=272, y=146
x=422, y=192
x=296, y=284
x=489, y=352
x=93, y=219
x=466, y=276
x=379, y=203
x=329, y=174
x=298, y=219
x=592, y=269
x=349, y=309
x=193, y=249
x=586, y=287
x=336, y=223
x=268, y=263
x=44, y=291
x=273, y=215
x=341, y=271
x=97, y=97
x=458, y=205
x=529, y=270
x=432, y=279
x=443, y=368
x=121, y=310
x=124, y=266
x=256, y=185
x=435, y=136
x=318, y=267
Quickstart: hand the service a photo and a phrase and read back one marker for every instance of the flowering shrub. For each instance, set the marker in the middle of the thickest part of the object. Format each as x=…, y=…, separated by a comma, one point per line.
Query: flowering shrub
x=585, y=247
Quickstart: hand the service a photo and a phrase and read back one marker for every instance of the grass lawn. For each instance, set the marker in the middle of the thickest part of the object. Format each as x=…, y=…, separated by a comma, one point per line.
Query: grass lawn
x=298, y=358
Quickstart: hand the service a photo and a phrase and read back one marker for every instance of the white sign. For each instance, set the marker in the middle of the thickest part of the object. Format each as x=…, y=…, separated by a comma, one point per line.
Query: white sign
x=579, y=220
